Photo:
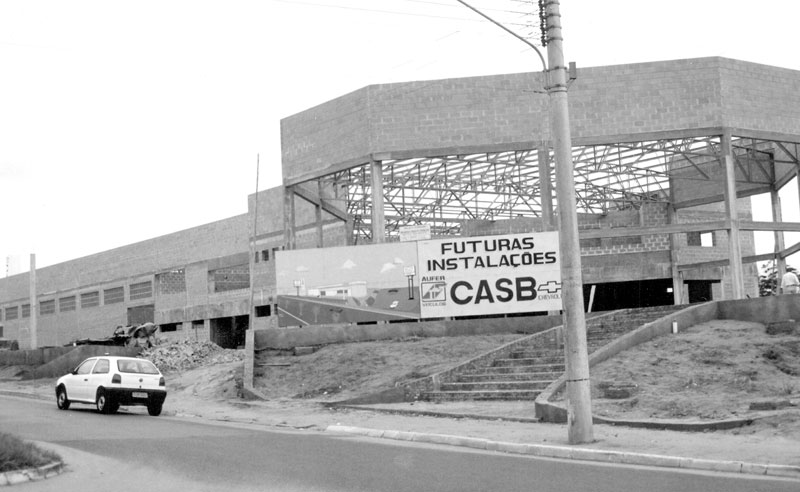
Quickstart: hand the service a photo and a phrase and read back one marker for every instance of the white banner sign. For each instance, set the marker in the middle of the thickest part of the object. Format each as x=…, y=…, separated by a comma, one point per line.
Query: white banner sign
x=489, y=275
x=468, y=276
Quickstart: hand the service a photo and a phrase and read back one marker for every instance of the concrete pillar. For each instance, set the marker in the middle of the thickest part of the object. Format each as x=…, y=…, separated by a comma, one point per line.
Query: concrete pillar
x=318, y=215
x=378, y=220
x=677, y=278
x=777, y=216
x=288, y=218
x=734, y=239
x=249, y=360
x=546, y=188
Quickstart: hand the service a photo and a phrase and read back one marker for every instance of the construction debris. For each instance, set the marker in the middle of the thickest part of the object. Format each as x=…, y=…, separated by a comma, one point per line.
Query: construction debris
x=188, y=354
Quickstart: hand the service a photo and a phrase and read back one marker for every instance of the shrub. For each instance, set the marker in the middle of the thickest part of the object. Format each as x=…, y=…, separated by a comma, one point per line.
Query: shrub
x=16, y=454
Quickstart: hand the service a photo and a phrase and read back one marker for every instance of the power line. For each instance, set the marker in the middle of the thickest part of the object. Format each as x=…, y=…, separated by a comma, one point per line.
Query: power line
x=380, y=11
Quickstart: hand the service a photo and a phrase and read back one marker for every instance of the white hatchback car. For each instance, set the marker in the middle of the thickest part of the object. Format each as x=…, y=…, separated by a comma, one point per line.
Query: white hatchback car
x=110, y=381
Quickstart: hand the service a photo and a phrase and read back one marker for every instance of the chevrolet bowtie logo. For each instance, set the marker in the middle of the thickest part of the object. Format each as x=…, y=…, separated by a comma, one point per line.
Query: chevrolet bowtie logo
x=551, y=287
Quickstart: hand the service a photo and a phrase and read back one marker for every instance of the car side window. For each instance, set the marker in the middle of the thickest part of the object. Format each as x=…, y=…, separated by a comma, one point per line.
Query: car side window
x=101, y=367
x=86, y=367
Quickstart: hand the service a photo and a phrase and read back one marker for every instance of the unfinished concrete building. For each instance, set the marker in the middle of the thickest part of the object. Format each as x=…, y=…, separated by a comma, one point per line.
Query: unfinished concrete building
x=666, y=157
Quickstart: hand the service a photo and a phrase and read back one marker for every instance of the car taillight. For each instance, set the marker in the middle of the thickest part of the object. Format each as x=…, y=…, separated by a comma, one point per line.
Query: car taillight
x=161, y=381
x=116, y=379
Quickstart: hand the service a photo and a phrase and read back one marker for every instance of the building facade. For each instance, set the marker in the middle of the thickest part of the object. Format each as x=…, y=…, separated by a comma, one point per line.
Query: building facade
x=666, y=157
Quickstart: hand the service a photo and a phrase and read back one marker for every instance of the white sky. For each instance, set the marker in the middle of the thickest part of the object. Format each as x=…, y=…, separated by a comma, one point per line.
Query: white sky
x=121, y=121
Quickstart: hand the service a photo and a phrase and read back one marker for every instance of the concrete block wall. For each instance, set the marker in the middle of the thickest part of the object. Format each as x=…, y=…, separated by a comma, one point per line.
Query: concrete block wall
x=720, y=249
x=334, y=131
x=648, y=215
x=225, y=237
x=760, y=97
x=120, y=267
x=499, y=112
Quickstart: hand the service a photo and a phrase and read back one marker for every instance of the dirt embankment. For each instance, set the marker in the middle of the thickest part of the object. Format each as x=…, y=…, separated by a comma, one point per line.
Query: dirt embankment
x=719, y=370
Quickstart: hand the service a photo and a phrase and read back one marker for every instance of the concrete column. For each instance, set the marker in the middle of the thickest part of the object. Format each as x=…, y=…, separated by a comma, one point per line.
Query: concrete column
x=734, y=239
x=249, y=361
x=288, y=218
x=777, y=216
x=318, y=215
x=546, y=188
x=677, y=279
x=378, y=220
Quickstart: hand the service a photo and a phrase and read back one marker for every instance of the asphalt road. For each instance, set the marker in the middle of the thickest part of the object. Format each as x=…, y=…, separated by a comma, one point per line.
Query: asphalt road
x=134, y=451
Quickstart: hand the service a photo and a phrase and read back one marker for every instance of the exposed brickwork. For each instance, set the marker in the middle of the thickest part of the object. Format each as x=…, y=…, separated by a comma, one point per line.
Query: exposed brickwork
x=122, y=267
x=502, y=111
x=760, y=97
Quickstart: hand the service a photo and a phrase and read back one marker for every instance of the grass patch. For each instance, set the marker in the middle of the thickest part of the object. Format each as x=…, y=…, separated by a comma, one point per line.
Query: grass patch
x=16, y=454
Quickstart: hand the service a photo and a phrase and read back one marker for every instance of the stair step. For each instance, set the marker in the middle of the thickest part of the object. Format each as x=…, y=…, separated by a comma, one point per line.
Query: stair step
x=520, y=376
x=496, y=386
x=524, y=373
x=528, y=361
x=525, y=352
x=533, y=368
x=480, y=395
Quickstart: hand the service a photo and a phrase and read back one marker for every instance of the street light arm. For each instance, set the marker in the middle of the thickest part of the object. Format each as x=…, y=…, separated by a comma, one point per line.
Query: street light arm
x=501, y=26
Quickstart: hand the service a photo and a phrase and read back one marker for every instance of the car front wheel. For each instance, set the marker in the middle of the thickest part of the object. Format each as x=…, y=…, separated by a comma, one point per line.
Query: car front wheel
x=61, y=398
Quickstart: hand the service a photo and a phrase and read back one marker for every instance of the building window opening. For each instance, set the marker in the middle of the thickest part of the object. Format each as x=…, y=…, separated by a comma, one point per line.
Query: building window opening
x=47, y=307
x=141, y=290
x=90, y=299
x=702, y=239
x=168, y=327
x=114, y=295
x=66, y=304
x=263, y=311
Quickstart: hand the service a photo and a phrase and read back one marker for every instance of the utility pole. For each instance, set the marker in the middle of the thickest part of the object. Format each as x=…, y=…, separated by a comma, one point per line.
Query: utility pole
x=576, y=353
x=32, y=303
x=579, y=401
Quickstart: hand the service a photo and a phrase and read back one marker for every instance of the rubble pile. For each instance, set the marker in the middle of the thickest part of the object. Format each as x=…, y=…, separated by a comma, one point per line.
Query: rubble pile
x=188, y=354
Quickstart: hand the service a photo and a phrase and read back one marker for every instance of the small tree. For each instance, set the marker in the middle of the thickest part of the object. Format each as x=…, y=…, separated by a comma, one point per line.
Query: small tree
x=769, y=280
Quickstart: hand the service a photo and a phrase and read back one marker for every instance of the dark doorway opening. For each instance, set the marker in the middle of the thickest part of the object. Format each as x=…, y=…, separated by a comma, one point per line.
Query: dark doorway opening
x=141, y=314
x=634, y=294
x=263, y=311
x=699, y=290
x=229, y=332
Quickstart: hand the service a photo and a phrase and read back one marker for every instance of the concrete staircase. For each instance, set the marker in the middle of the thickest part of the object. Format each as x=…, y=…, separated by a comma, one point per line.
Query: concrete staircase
x=527, y=370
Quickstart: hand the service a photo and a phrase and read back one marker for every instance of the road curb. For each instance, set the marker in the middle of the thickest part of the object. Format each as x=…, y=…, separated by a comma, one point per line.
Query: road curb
x=32, y=474
x=583, y=454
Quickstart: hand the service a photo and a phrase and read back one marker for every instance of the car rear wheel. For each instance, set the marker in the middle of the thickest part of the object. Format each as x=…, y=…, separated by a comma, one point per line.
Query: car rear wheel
x=113, y=406
x=101, y=401
x=61, y=398
x=154, y=409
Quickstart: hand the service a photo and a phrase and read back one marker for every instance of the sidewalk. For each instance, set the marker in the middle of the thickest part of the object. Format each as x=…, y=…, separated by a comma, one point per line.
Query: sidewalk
x=760, y=449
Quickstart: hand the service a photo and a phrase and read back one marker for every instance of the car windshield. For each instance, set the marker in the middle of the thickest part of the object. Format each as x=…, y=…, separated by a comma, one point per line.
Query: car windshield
x=136, y=366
